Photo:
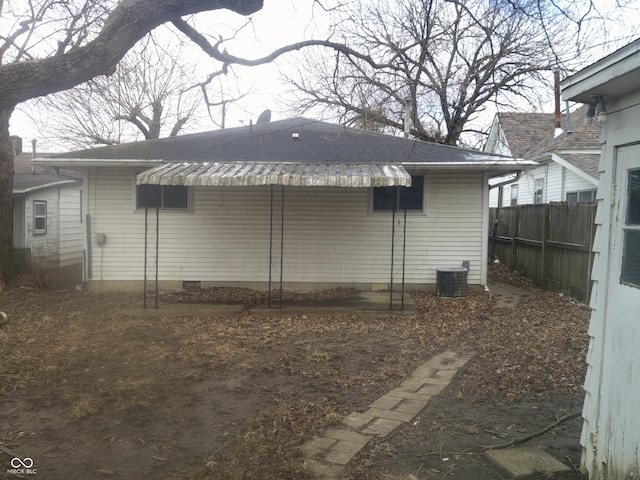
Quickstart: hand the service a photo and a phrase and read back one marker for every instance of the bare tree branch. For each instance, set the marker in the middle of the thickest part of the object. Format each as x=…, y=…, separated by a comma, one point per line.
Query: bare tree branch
x=126, y=24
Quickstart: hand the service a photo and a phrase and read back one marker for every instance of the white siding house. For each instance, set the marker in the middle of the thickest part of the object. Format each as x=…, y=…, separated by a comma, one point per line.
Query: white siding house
x=331, y=229
x=47, y=215
x=568, y=159
x=611, y=430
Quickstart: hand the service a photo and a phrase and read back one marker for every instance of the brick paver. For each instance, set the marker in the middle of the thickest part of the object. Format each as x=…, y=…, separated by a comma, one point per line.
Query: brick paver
x=327, y=454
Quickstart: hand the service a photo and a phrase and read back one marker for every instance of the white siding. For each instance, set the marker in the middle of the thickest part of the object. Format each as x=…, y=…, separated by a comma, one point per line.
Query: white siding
x=574, y=183
x=71, y=226
x=611, y=431
x=331, y=235
x=553, y=183
x=44, y=247
x=558, y=180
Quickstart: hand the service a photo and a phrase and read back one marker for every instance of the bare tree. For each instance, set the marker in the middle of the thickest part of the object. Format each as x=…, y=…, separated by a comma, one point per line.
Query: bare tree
x=149, y=95
x=47, y=46
x=448, y=58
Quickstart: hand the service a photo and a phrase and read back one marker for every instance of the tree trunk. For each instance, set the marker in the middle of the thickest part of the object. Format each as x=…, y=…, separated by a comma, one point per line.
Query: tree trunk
x=6, y=200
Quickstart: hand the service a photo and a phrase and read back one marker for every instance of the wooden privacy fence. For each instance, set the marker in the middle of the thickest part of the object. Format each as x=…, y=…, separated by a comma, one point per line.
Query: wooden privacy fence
x=550, y=244
x=21, y=260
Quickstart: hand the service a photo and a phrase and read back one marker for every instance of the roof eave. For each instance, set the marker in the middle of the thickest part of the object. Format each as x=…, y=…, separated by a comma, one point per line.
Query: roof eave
x=46, y=186
x=73, y=163
x=622, y=66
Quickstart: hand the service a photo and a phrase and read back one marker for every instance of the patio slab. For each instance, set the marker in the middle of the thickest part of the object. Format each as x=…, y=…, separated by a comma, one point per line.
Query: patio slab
x=524, y=462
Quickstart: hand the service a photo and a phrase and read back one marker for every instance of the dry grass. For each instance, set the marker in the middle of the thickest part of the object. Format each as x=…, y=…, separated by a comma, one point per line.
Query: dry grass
x=103, y=366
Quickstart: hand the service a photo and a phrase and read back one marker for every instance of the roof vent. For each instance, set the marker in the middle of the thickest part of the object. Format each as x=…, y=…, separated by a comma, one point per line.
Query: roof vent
x=295, y=136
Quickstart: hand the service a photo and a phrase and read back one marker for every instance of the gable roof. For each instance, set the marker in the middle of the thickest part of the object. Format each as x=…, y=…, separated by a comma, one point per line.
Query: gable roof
x=523, y=130
x=582, y=136
x=533, y=136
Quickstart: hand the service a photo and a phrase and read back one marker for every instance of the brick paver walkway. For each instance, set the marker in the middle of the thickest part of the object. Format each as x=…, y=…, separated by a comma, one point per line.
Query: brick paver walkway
x=327, y=454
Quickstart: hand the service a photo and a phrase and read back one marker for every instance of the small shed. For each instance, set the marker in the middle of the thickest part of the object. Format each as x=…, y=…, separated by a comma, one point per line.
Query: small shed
x=611, y=430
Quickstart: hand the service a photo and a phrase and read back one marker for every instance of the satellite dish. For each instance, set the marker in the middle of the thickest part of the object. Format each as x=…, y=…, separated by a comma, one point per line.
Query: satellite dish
x=265, y=117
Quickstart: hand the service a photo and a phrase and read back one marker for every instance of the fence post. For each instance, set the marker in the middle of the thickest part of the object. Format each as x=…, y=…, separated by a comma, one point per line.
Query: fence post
x=545, y=235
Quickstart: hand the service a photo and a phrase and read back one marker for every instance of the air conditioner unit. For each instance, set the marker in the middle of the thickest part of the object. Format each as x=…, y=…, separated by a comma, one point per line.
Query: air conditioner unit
x=451, y=282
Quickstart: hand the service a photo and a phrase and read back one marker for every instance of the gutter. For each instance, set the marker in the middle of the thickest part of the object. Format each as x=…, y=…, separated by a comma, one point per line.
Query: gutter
x=507, y=182
x=47, y=186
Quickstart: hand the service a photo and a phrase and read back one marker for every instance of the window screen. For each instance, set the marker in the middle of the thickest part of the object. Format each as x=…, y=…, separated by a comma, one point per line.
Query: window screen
x=538, y=196
x=385, y=198
x=174, y=197
x=631, y=232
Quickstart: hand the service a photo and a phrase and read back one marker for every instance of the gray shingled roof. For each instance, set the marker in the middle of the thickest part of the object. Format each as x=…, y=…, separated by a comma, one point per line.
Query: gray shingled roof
x=27, y=183
x=588, y=163
x=583, y=137
x=297, y=140
x=532, y=134
x=30, y=178
x=525, y=131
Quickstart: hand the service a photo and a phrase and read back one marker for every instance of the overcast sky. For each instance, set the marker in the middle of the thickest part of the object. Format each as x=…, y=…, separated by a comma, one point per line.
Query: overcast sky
x=280, y=22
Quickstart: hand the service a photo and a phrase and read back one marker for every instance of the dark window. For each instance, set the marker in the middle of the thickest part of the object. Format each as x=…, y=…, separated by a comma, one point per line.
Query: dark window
x=514, y=194
x=631, y=248
x=411, y=198
x=39, y=217
x=174, y=197
x=538, y=196
x=586, y=196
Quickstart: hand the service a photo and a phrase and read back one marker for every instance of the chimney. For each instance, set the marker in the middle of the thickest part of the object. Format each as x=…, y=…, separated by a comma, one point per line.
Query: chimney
x=556, y=95
x=17, y=144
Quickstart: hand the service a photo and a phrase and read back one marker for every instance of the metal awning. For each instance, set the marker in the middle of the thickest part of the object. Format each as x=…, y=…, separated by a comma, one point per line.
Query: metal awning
x=244, y=174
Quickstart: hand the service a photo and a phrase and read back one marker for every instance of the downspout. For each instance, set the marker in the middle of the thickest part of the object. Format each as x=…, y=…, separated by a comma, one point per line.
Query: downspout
x=507, y=182
x=57, y=170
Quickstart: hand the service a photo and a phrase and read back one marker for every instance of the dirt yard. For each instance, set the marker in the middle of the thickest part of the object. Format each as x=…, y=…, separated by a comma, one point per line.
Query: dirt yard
x=89, y=392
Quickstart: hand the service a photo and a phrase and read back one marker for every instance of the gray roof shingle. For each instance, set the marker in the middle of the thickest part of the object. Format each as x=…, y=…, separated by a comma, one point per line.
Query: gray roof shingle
x=291, y=140
x=532, y=134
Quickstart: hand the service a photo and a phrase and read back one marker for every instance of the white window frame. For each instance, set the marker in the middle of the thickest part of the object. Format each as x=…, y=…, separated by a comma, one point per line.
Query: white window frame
x=37, y=216
x=579, y=193
x=515, y=188
x=538, y=191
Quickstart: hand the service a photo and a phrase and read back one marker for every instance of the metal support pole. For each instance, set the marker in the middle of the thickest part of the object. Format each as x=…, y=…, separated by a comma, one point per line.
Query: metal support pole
x=393, y=244
x=270, y=247
x=396, y=205
x=157, y=250
x=144, y=281
x=404, y=251
x=281, y=241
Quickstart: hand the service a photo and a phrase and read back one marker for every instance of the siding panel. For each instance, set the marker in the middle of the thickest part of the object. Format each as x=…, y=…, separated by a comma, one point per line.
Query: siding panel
x=330, y=234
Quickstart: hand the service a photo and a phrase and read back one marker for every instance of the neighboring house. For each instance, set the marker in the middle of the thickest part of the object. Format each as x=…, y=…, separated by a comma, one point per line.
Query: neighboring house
x=611, y=431
x=291, y=200
x=568, y=158
x=47, y=214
